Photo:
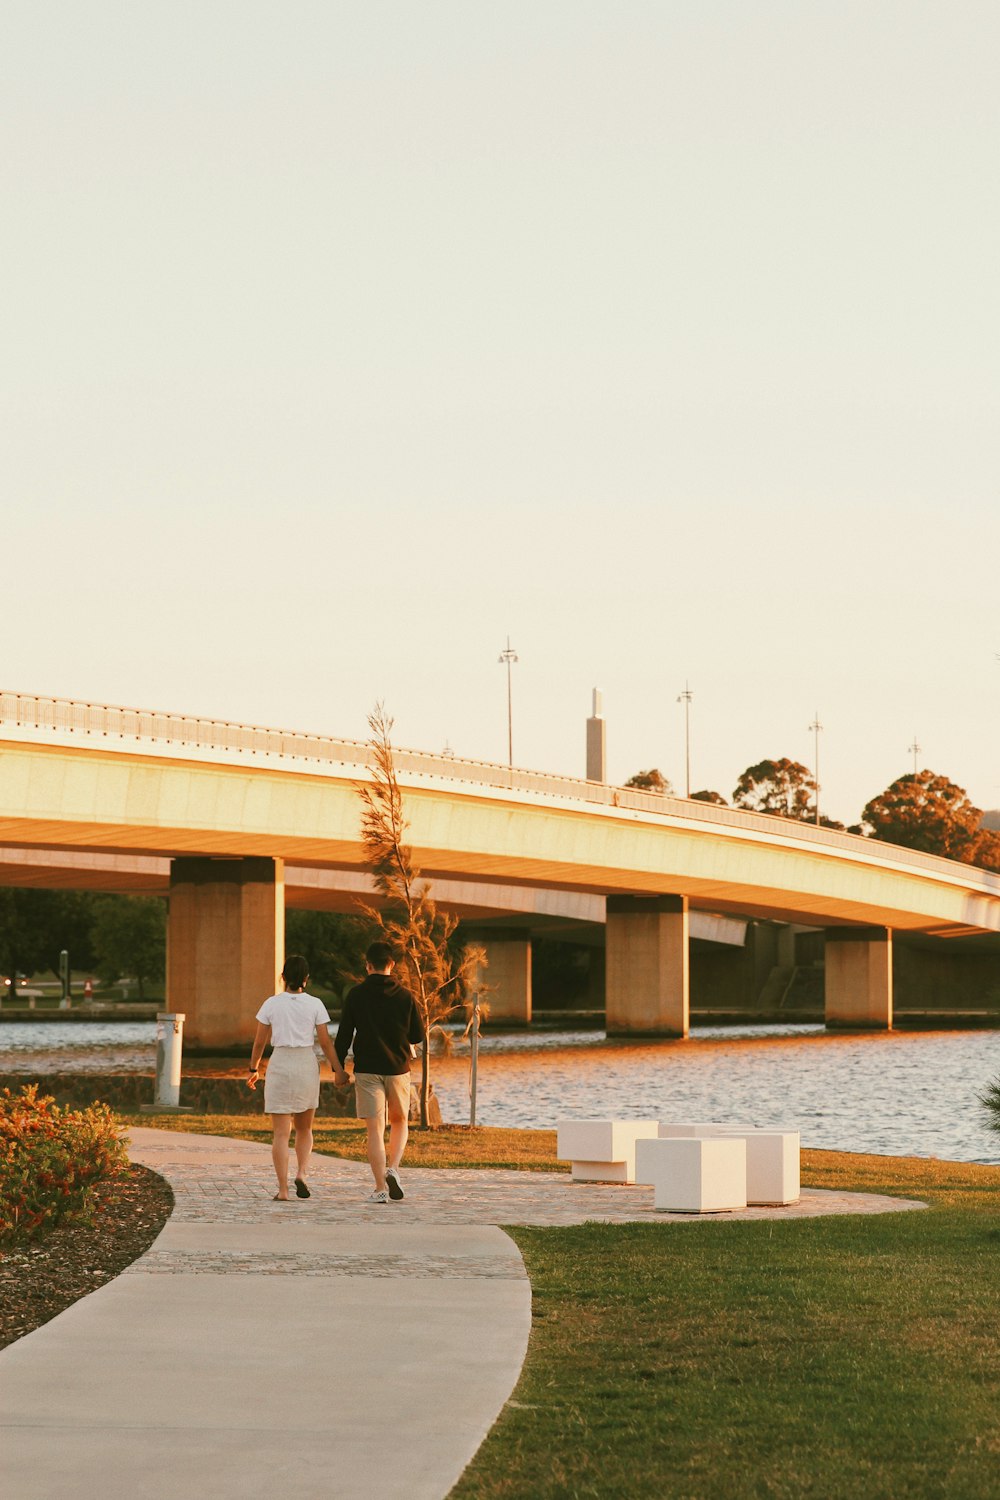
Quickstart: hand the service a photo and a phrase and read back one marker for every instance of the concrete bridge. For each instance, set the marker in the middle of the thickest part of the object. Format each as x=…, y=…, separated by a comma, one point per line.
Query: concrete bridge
x=232, y=821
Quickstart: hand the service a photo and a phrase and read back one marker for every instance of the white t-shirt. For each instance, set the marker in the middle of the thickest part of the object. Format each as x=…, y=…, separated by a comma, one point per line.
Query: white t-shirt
x=293, y=1019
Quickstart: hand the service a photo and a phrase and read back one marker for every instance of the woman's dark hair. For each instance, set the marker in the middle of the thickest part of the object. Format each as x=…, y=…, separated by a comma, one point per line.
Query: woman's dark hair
x=296, y=971
x=379, y=955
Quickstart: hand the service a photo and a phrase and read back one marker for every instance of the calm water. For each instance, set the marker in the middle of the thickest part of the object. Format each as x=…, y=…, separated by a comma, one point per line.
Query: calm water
x=905, y=1094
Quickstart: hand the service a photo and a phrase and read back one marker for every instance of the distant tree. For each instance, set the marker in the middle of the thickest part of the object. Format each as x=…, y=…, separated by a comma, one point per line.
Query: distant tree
x=825, y=822
x=709, y=797
x=22, y=933
x=333, y=942
x=69, y=924
x=987, y=850
x=651, y=781
x=130, y=938
x=926, y=811
x=419, y=935
x=781, y=787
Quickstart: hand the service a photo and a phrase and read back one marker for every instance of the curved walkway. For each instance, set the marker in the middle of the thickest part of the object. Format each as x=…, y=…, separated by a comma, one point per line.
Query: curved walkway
x=256, y=1349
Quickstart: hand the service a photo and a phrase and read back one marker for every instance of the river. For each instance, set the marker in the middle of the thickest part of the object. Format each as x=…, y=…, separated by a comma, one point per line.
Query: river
x=899, y=1094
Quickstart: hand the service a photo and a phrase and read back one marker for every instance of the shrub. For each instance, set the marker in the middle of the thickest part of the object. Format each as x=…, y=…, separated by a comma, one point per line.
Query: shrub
x=990, y=1100
x=50, y=1159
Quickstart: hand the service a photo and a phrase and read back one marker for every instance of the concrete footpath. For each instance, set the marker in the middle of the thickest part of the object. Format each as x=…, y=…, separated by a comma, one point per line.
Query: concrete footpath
x=323, y=1347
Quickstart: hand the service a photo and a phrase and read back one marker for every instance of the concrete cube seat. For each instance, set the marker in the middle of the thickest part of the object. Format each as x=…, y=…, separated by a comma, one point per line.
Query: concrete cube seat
x=695, y=1174
x=602, y=1150
x=772, y=1163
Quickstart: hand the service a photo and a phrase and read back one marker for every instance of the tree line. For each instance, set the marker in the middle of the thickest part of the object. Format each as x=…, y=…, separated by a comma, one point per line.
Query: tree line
x=922, y=810
x=117, y=937
x=108, y=936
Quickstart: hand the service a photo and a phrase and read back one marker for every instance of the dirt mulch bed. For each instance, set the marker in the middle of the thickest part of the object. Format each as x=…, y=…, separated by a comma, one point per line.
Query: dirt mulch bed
x=41, y=1278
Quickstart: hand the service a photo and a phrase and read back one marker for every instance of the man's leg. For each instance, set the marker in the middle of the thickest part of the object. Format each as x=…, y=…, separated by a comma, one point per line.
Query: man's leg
x=397, y=1098
x=282, y=1125
x=375, y=1125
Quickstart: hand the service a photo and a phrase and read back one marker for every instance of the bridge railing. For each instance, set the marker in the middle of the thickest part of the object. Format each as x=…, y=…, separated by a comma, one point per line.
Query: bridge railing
x=54, y=715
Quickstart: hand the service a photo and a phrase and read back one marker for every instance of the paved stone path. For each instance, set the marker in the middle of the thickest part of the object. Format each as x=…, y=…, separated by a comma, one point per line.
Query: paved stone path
x=236, y=1187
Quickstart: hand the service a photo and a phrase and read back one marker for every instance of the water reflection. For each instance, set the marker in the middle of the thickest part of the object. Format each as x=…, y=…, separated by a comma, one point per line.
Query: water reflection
x=904, y=1094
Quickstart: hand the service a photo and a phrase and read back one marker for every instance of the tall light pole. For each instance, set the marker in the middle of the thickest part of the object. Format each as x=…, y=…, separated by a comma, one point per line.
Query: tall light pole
x=685, y=698
x=508, y=656
x=914, y=750
x=816, y=728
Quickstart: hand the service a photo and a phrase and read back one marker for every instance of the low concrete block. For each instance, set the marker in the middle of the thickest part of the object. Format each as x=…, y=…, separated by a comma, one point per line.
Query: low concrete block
x=697, y=1174
x=772, y=1164
x=600, y=1149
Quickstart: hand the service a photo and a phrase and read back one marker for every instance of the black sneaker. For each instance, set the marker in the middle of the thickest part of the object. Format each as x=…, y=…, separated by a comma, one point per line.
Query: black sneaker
x=393, y=1184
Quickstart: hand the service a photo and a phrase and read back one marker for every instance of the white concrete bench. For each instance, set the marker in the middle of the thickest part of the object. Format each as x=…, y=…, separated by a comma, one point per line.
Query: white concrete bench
x=772, y=1163
x=772, y=1157
x=602, y=1150
x=694, y=1174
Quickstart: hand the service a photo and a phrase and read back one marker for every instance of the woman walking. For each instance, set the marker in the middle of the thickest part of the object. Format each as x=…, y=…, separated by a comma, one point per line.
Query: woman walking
x=293, y=1022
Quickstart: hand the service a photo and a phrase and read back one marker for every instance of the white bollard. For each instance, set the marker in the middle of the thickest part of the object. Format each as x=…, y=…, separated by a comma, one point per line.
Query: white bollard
x=169, y=1046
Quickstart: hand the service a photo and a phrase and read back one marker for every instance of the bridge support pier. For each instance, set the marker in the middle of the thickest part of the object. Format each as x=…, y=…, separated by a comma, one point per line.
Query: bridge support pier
x=858, y=983
x=508, y=974
x=225, y=945
x=647, y=967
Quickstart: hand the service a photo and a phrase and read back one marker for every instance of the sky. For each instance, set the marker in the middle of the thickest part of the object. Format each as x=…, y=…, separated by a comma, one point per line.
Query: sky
x=343, y=341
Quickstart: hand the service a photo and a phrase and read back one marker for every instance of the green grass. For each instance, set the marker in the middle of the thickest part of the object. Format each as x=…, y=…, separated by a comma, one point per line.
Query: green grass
x=448, y=1146
x=809, y=1359
x=835, y=1358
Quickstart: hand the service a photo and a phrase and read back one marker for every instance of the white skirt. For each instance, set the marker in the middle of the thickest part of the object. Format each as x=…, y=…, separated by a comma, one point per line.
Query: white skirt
x=291, y=1083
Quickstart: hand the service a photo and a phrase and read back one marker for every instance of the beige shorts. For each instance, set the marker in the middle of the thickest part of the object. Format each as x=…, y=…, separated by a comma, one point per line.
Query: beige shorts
x=373, y=1092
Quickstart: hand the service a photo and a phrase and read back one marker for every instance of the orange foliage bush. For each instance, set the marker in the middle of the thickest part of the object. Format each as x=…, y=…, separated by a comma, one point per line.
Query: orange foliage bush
x=50, y=1158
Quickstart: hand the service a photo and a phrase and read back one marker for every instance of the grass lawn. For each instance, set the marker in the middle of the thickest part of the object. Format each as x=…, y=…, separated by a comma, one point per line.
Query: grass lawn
x=448, y=1146
x=828, y=1358
x=813, y=1359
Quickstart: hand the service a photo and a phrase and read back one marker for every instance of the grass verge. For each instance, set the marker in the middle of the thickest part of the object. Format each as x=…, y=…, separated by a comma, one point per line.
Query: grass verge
x=834, y=1358
x=448, y=1146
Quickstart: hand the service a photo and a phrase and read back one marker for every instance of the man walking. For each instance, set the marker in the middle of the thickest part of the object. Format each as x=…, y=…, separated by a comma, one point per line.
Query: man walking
x=380, y=1017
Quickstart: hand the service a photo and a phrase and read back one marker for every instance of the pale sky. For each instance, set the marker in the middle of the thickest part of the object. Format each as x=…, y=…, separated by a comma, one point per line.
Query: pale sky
x=342, y=340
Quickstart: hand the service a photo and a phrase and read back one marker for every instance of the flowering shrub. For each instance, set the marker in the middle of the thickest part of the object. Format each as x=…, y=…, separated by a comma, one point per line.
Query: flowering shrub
x=50, y=1159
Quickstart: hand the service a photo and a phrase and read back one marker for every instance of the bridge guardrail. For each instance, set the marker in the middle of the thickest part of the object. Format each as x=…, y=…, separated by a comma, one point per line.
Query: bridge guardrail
x=65, y=714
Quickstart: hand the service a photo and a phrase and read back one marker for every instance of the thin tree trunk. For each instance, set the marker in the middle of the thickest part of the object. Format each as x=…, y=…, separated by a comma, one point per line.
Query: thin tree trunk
x=425, y=1084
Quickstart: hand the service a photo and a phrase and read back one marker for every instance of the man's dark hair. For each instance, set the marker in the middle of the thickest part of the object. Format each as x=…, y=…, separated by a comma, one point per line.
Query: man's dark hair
x=296, y=971
x=379, y=955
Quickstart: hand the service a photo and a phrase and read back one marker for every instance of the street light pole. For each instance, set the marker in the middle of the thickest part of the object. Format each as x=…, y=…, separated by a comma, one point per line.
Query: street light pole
x=507, y=656
x=816, y=728
x=685, y=698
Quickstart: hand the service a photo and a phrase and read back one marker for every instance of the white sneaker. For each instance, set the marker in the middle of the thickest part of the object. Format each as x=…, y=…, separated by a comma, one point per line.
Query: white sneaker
x=393, y=1184
x=376, y=1197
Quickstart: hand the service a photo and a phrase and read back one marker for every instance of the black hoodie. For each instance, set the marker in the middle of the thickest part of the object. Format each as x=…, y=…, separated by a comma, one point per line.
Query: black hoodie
x=381, y=1019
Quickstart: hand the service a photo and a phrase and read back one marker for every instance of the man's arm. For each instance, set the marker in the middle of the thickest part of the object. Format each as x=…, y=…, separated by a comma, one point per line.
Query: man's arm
x=415, y=1029
x=345, y=1031
x=340, y=1077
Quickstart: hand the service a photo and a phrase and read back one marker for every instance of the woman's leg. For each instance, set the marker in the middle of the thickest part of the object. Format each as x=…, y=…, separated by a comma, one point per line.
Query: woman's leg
x=282, y=1126
x=303, y=1141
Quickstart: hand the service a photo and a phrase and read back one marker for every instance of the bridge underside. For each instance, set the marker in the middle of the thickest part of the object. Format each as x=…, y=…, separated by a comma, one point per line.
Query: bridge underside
x=226, y=934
